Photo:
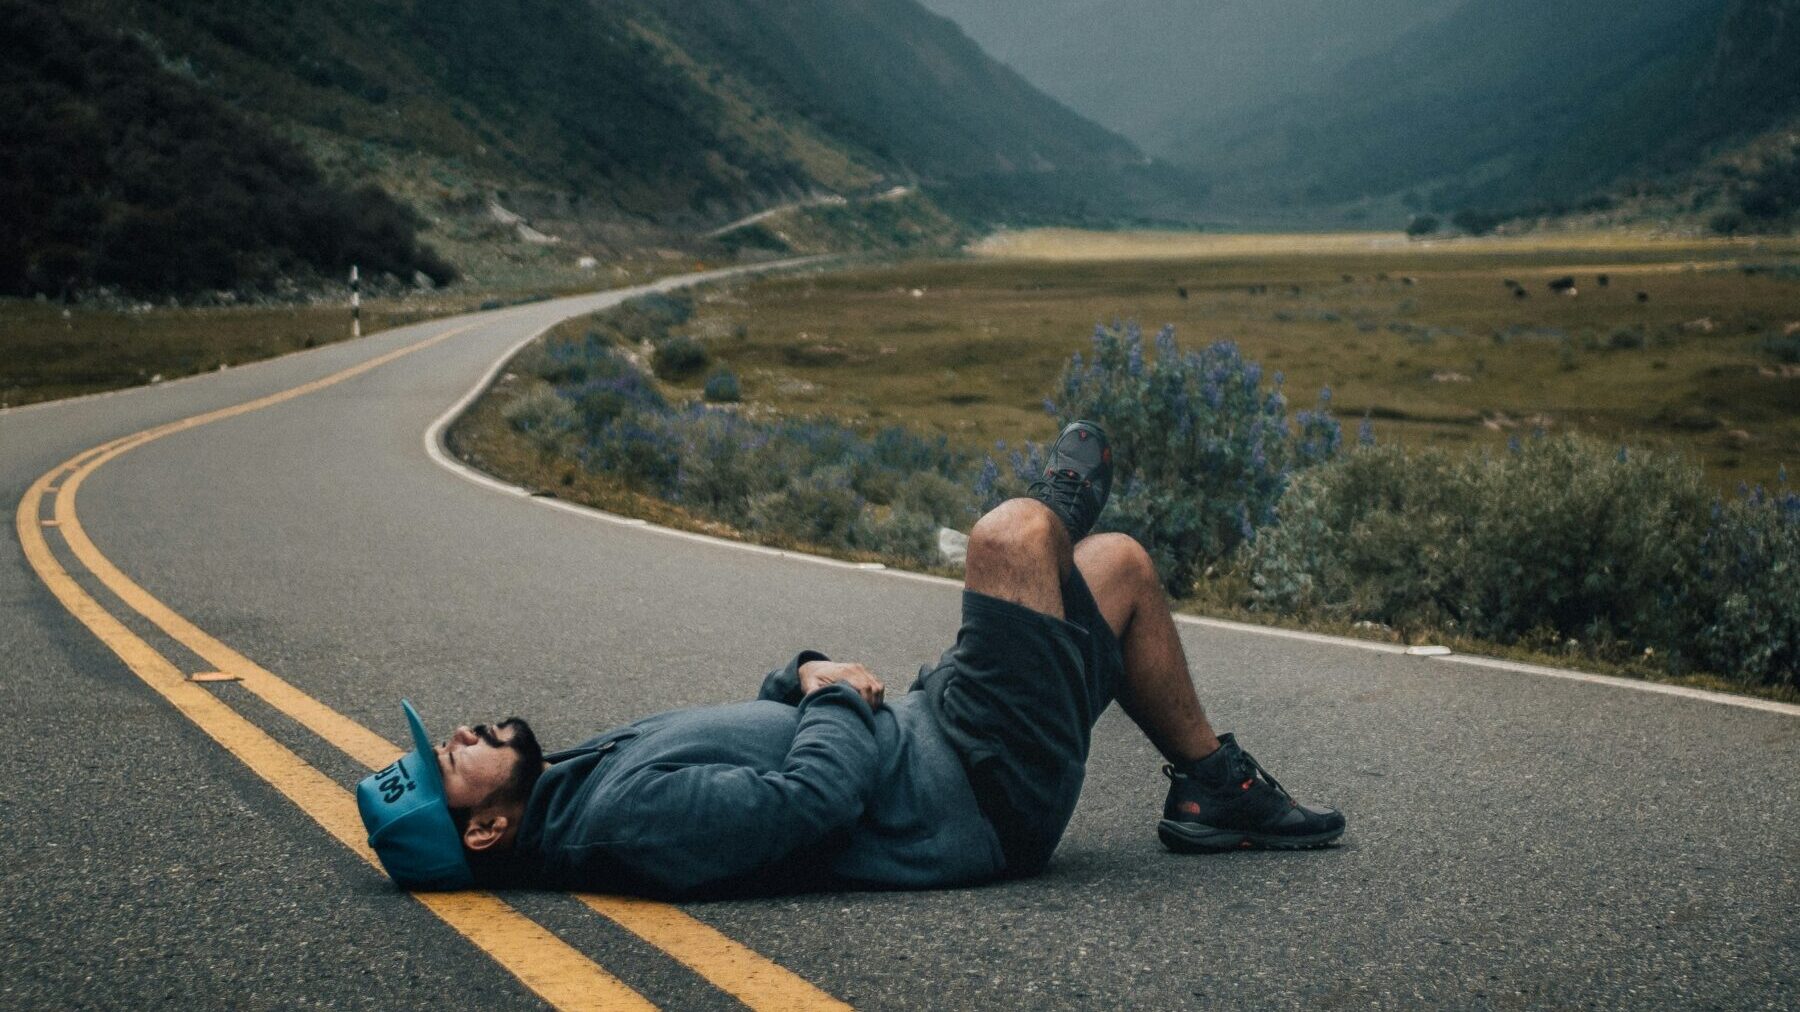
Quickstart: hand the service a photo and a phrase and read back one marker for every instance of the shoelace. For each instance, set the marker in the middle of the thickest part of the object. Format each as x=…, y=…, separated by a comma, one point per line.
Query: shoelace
x=1061, y=488
x=1247, y=764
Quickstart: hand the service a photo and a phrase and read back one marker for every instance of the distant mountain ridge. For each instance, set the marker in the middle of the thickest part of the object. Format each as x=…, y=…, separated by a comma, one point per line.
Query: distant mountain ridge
x=1515, y=105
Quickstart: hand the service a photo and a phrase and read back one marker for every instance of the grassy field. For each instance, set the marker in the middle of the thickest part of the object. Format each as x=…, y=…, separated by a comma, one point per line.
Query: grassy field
x=48, y=351
x=1424, y=337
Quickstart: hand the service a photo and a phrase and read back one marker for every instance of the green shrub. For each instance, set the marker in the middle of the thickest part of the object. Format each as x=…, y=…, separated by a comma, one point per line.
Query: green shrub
x=1625, y=339
x=1745, y=595
x=679, y=357
x=1370, y=535
x=722, y=388
x=1782, y=347
x=900, y=533
x=647, y=318
x=1556, y=539
x=542, y=415
x=821, y=507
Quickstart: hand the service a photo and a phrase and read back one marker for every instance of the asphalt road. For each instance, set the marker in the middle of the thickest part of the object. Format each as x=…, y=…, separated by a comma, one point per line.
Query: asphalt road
x=1515, y=840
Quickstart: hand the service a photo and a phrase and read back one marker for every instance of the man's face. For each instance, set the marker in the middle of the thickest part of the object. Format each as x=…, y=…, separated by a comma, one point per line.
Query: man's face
x=475, y=762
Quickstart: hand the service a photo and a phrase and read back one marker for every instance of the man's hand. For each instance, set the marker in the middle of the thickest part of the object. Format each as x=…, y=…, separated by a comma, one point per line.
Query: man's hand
x=815, y=675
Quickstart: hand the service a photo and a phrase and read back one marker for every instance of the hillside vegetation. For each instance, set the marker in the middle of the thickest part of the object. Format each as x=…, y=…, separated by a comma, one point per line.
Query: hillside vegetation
x=118, y=170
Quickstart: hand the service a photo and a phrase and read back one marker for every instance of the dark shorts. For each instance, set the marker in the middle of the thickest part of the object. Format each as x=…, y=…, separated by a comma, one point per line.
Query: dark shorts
x=1018, y=696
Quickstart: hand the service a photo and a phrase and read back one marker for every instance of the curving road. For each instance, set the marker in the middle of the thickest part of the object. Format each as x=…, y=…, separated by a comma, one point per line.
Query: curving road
x=1515, y=840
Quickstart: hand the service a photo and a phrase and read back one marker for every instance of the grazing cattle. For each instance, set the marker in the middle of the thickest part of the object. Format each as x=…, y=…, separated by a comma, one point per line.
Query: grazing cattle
x=1347, y=278
x=1602, y=280
x=1181, y=290
x=1510, y=283
x=1521, y=293
x=1293, y=289
x=1643, y=296
x=1409, y=281
x=1563, y=286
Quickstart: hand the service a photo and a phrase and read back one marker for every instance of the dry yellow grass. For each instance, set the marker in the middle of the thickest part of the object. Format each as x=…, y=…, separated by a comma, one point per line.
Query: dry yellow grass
x=1077, y=245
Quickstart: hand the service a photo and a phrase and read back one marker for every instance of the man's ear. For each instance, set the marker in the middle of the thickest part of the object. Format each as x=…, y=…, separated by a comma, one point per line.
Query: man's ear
x=486, y=830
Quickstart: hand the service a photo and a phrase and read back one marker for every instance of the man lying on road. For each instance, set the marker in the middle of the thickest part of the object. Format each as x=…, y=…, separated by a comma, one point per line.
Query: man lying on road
x=822, y=782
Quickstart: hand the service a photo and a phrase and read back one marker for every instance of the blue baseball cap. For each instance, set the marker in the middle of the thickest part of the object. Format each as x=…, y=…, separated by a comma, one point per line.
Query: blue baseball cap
x=408, y=820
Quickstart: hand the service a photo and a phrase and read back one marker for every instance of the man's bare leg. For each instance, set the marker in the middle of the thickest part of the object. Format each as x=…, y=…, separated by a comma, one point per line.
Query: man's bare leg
x=1157, y=691
x=1020, y=552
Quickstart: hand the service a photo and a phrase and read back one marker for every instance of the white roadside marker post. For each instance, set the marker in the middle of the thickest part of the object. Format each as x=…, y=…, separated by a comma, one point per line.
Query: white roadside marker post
x=355, y=303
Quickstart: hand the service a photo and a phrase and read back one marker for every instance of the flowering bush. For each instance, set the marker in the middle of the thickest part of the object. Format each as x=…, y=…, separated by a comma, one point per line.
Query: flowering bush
x=795, y=479
x=1202, y=450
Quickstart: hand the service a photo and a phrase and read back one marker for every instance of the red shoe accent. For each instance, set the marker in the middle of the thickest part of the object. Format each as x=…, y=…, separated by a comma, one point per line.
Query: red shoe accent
x=1246, y=784
x=1189, y=807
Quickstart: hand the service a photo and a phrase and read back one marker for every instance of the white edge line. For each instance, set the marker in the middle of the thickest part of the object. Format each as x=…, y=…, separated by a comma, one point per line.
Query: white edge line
x=1292, y=634
x=434, y=447
x=1748, y=702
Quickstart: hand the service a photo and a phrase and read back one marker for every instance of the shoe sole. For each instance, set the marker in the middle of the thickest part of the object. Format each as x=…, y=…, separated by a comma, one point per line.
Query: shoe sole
x=1187, y=838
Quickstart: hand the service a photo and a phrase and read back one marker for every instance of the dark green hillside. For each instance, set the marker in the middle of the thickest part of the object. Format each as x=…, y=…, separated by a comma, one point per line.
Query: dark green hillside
x=642, y=108
x=575, y=98
x=611, y=124
x=117, y=171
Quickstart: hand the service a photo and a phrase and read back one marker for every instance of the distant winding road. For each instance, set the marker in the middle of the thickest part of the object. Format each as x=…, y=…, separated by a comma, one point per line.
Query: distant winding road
x=284, y=529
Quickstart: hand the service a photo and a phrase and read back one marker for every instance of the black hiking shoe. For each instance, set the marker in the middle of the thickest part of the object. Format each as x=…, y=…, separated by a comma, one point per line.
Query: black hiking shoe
x=1227, y=801
x=1077, y=478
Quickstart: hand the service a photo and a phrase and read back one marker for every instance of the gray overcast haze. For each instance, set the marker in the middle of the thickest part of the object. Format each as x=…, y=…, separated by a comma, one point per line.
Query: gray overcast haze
x=1155, y=70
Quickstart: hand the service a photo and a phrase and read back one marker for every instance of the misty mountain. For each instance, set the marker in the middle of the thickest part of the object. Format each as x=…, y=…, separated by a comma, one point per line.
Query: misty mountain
x=1158, y=71
x=1509, y=105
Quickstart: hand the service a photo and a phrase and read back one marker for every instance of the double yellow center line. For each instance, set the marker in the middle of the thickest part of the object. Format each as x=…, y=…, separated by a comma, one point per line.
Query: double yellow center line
x=550, y=967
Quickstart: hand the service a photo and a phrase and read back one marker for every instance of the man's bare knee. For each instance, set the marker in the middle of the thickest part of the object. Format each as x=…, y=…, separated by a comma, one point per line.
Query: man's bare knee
x=1116, y=557
x=1015, y=525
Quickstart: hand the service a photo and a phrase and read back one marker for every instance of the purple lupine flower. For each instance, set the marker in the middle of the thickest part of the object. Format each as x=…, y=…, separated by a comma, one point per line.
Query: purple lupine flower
x=1165, y=344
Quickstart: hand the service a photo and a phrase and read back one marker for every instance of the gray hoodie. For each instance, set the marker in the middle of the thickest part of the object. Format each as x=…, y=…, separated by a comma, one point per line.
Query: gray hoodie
x=819, y=790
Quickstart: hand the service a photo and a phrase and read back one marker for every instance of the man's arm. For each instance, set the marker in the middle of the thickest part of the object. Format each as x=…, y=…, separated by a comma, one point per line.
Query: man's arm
x=783, y=684
x=693, y=826
x=811, y=671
